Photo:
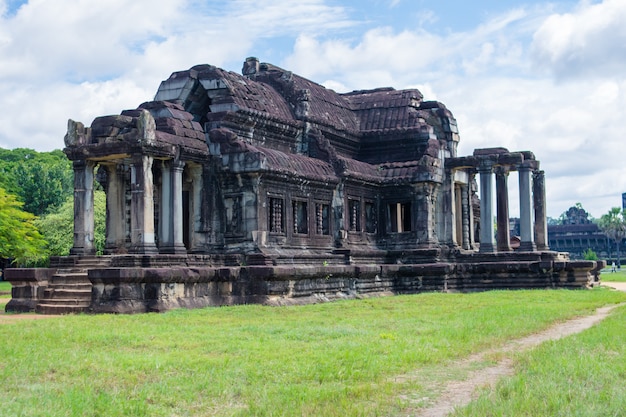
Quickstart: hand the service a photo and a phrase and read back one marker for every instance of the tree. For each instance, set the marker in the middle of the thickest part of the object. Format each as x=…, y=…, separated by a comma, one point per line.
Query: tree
x=41, y=180
x=58, y=226
x=613, y=225
x=19, y=238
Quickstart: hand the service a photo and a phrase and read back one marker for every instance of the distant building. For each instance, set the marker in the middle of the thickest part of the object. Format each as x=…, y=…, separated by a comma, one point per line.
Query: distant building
x=579, y=234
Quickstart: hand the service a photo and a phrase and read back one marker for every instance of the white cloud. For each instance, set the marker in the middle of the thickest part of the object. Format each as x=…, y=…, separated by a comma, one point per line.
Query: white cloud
x=590, y=41
x=81, y=59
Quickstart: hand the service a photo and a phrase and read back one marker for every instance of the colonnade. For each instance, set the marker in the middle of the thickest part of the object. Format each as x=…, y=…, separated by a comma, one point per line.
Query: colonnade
x=533, y=220
x=130, y=225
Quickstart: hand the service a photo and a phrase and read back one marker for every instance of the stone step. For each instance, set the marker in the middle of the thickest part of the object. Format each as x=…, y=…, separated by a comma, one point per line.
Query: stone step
x=67, y=294
x=46, y=308
x=76, y=273
x=78, y=286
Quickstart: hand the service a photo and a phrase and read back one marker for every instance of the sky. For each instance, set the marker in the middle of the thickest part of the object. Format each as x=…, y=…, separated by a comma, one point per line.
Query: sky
x=548, y=77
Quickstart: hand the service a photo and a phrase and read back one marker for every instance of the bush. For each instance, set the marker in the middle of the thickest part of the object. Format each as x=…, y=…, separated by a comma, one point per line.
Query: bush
x=590, y=255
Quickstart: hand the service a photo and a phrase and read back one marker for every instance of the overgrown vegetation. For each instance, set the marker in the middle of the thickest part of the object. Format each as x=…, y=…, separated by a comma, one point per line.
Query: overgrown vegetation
x=337, y=359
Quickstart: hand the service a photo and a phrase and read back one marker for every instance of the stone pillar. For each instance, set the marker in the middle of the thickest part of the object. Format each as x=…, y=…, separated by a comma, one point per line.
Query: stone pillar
x=83, y=209
x=115, y=234
x=502, y=209
x=424, y=214
x=487, y=243
x=526, y=213
x=177, y=206
x=166, y=235
x=458, y=215
x=466, y=222
x=541, y=219
x=142, y=206
x=447, y=214
x=470, y=208
x=196, y=244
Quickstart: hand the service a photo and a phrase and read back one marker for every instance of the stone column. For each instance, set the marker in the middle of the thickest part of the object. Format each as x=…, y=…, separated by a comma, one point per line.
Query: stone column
x=526, y=213
x=458, y=215
x=83, y=208
x=448, y=213
x=196, y=244
x=142, y=206
x=471, y=213
x=166, y=235
x=487, y=243
x=424, y=224
x=115, y=236
x=541, y=219
x=466, y=222
x=177, y=206
x=502, y=209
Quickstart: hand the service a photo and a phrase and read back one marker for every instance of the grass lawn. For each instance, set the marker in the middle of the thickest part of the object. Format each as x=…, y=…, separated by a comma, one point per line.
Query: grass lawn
x=334, y=359
x=5, y=294
x=619, y=276
x=583, y=375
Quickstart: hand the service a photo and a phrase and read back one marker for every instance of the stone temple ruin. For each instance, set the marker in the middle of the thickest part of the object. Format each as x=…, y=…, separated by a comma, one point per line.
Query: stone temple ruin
x=268, y=188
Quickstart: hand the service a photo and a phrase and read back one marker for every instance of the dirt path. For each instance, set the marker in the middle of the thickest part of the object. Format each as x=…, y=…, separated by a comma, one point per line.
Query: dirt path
x=460, y=392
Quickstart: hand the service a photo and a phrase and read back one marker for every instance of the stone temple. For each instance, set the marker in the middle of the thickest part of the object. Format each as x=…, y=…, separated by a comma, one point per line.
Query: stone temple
x=266, y=187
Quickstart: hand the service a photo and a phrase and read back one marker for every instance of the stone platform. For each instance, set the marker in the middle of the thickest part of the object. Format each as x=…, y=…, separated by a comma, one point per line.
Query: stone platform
x=137, y=284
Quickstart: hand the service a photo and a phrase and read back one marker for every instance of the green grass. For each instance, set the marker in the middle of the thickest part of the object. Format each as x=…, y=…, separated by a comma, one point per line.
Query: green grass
x=5, y=289
x=335, y=359
x=608, y=276
x=5, y=294
x=583, y=375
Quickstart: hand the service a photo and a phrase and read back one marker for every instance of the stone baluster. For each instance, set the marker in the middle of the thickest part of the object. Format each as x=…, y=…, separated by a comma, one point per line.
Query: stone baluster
x=526, y=213
x=83, y=208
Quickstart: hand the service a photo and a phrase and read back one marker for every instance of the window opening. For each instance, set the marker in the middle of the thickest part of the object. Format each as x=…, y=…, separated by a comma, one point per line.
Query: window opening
x=276, y=215
x=300, y=217
x=400, y=216
x=322, y=222
x=370, y=217
x=354, y=207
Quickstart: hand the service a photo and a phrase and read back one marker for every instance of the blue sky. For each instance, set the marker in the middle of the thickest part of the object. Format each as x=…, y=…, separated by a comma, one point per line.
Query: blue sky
x=548, y=77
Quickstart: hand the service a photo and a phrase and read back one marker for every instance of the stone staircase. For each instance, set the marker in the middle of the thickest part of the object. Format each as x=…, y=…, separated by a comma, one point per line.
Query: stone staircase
x=69, y=289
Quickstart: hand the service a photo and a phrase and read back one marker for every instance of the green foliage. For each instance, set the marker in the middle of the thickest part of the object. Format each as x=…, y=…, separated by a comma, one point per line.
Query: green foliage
x=19, y=238
x=366, y=357
x=590, y=255
x=58, y=227
x=41, y=180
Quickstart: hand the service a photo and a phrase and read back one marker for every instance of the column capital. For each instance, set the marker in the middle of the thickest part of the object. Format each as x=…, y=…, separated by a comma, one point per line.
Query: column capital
x=502, y=169
x=485, y=166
